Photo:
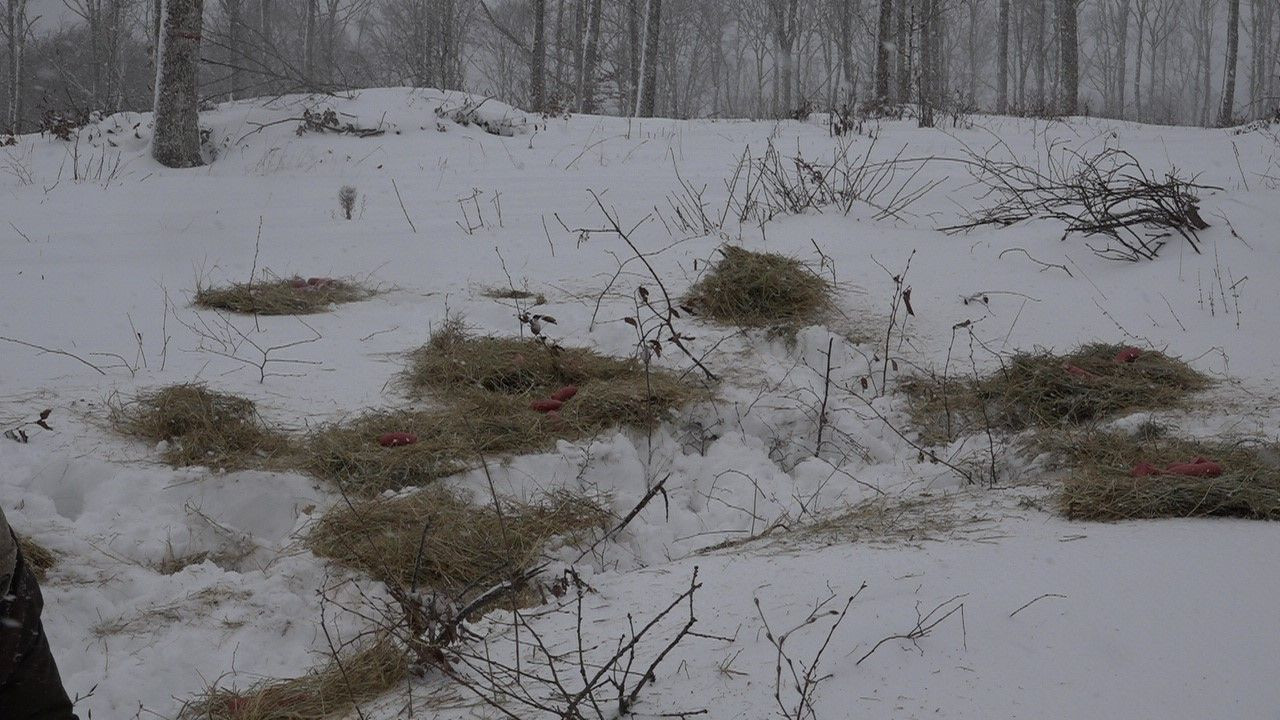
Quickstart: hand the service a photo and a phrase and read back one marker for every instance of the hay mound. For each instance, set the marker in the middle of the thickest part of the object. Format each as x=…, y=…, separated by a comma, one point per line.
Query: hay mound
x=481, y=389
x=201, y=427
x=1041, y=389
x=756, y=289
x=466, y=547
x=455, y=362
x=1101, y=486
x=332, y=691
x=282, y=296
x=450, y=440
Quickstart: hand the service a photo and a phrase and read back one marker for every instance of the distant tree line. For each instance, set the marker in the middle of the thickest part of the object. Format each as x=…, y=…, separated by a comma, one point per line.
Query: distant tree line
x=1168, y=61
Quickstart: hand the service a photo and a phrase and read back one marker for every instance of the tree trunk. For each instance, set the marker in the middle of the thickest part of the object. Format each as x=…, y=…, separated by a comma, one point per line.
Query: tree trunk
x=16, y=31
x=845, y=40
x=538, y=63
x=1122, y=56
x=1137, y=64
x=883, y=32
x=1227, y=113
x=906, y=21
x=633, y=57
x=264, y=41
x=235, y=46
x=925, y=84
x=175, y=142
x=649, y=64
x=1068, y=58
x=1002, y=59
x=309, y=43
x=1041, y=56
x=587, y=92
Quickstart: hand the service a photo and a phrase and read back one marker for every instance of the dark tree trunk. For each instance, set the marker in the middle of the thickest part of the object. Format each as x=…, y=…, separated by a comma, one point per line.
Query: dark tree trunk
x=175, y=142
x=925, y=83
x=634, y=53
x=649, y=91
x=538, y=63
x=906, y=22
x=1068, y=58
x=588, y=90
x=884, y=32
x=1227, y=113
x=845, y=15
x=1002, y=58
x=16, y=30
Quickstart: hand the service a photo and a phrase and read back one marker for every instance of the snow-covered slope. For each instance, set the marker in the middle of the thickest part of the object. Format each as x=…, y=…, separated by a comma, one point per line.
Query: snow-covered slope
x=101, y=250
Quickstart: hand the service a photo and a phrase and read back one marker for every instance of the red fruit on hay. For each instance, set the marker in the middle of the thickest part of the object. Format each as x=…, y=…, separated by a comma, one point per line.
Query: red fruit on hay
x=565, y=393
x=1199, y=467
x=545, y=406
x=1077, y=371
x=1145, y=470
x=1128, y=355
x=297, y=283
x=320, y=281
x=397, y=439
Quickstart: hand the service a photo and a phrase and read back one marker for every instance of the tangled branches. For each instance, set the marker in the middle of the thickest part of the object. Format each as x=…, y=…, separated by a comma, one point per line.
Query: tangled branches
x=770, y=185
x=1108, y=194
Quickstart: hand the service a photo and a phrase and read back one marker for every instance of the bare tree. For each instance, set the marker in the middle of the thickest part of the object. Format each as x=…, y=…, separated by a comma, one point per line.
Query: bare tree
x=16, y=29
x=785, y=17
x=884, y=31
x=587, y=92
x=1002, y=58
x=175, y=141
x=649, y=63
x=1068, y=57
x=1227, y=113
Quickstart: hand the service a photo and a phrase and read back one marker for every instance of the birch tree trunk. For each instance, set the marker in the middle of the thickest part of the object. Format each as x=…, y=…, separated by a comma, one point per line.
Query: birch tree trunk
x=16, y=32
x=175, y=141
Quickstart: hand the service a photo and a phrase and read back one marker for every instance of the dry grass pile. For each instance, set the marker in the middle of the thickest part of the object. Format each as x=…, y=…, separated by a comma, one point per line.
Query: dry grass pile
x=282, y=296
x=755, y=289
x=1041, y=389
x=449, y=441
x=482, y=388
x=438, y=539
x=329, y=692
x=201, y=427
x=1101, y=483
x=39, y=558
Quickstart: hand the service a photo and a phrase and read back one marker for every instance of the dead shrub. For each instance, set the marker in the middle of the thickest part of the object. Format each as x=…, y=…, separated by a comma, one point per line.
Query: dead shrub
x=331, y=691
x=755, y=289
x=1042, y=389
x=1101, y=485
x=39, y=558
x=282, y=296
x=438, y=540
x=200, y=427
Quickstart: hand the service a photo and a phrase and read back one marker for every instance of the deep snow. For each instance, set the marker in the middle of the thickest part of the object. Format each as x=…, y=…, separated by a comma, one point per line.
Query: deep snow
x=1160, y=619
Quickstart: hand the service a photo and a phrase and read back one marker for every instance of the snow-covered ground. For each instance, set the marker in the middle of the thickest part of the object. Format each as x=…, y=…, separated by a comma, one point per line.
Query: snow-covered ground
x=1170, y=619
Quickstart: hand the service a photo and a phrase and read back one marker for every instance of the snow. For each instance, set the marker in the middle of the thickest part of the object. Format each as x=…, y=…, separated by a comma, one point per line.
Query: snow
x=1159, y=619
